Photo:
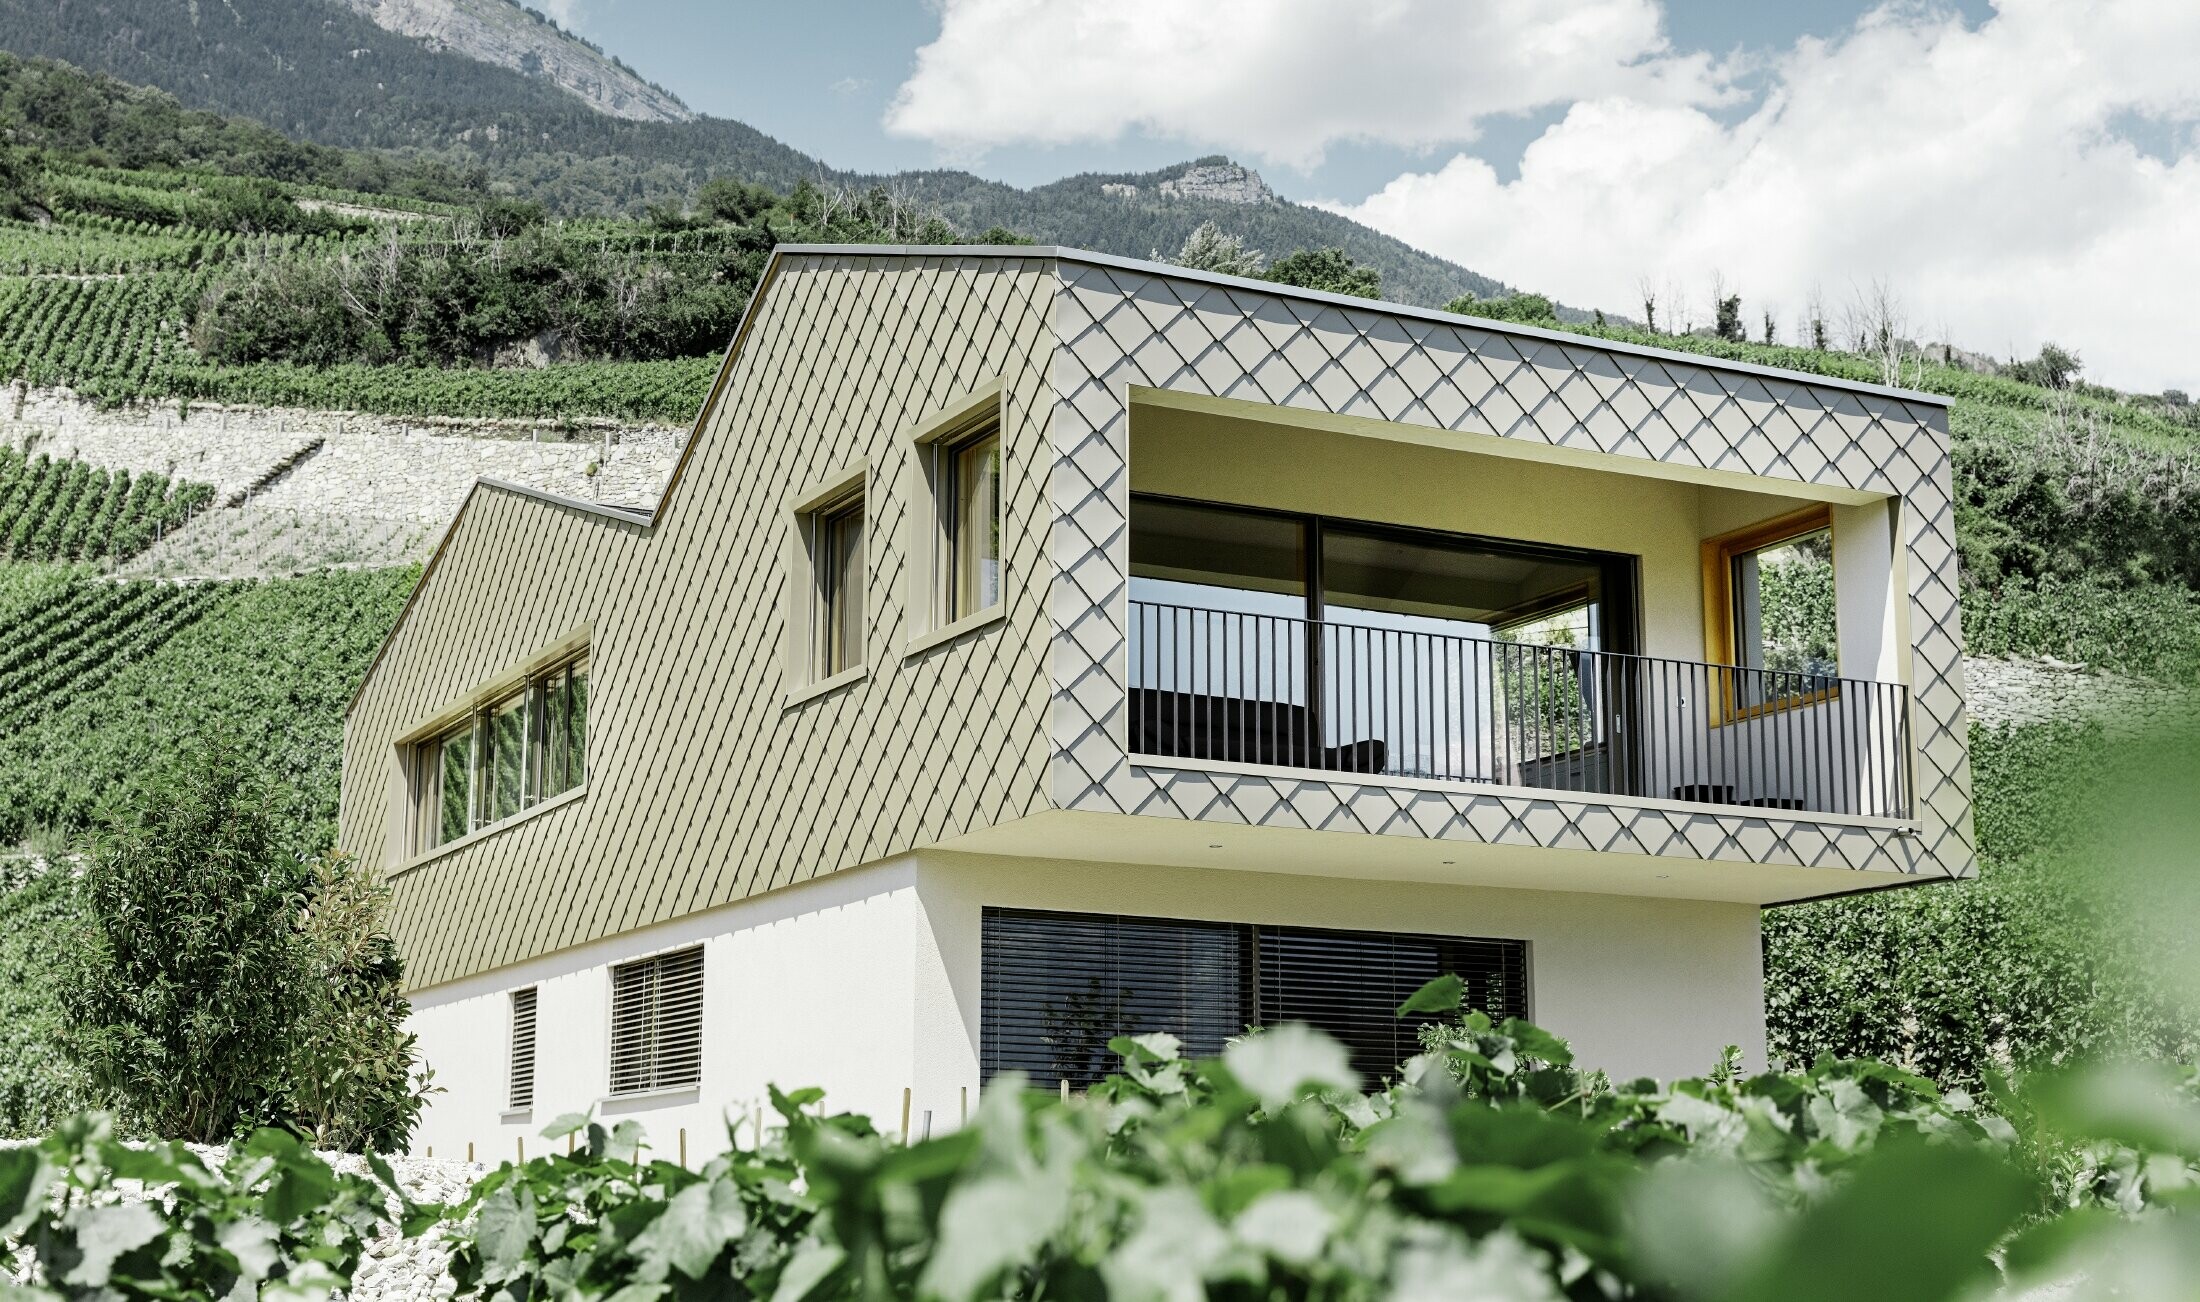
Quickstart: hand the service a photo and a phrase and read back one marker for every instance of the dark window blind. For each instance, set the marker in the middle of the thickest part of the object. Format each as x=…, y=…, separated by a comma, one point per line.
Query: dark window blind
x=1350, y=983
x=1056, y=987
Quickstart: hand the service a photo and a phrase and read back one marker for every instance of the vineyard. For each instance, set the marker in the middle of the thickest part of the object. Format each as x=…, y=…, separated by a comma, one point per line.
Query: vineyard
x=82, y=635
x=100, y=678
x=65, y=510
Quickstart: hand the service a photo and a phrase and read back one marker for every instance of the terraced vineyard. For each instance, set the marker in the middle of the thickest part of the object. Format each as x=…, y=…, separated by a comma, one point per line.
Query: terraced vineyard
x=66, y=510
x=99, y=678
x=80, y=636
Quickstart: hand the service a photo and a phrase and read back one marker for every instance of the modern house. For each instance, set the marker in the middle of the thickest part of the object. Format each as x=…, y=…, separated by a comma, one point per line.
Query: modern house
x=1033, y=645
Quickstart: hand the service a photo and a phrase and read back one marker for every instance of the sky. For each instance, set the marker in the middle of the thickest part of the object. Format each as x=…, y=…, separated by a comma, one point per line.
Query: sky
x=2010, y=172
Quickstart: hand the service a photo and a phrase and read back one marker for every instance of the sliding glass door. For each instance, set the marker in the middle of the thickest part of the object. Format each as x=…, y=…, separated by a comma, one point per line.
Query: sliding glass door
x=1290, y=639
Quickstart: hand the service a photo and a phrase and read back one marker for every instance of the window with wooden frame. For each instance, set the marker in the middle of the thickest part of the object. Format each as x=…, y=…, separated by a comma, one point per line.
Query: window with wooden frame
x=520, y=1088
x=657, y=1023
x=1771, y=612
x=957, y=551
x=837, y=549
x=519, y=748
x=828, y=576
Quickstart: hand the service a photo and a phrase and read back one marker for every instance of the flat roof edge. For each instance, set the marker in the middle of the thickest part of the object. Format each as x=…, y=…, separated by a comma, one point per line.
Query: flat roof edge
x=1064, y=253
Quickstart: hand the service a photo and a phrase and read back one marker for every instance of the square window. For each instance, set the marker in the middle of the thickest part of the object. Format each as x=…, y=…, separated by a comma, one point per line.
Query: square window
x=657, y=1023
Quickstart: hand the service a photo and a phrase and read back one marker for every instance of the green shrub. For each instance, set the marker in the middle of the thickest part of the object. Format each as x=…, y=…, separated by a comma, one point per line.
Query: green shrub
x=216, y=983
x=184, y=984
x=2035, y=961
x=350, y=1083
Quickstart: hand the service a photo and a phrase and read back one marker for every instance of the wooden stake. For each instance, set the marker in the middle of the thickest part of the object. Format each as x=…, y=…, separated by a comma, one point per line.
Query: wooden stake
x=521, y=1143
x=569, y=1143
x=905, y=1115
x=469, y=1150
x=963, y=1117
x=683, y=1146
x=1065, y=1089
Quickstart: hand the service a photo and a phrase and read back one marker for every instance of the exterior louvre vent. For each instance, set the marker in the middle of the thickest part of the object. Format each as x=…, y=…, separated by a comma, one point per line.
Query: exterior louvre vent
x=1056, y=987
x=522, y=1094
x=657, y=1023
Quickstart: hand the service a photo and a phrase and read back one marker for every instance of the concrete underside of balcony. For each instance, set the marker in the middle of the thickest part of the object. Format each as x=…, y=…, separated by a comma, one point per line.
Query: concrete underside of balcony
x=1196, y=843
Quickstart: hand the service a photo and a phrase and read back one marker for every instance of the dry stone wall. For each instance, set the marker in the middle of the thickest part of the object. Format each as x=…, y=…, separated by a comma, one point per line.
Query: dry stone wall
x=304, y=489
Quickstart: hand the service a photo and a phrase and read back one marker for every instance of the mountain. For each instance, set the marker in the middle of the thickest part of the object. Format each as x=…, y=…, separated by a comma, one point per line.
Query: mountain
x=1141, y=214
x=488, y=85
x=503, y=33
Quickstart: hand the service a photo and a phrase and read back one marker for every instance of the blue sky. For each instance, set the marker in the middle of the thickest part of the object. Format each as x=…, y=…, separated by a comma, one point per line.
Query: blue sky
x=820, y=75
x=2010, y=172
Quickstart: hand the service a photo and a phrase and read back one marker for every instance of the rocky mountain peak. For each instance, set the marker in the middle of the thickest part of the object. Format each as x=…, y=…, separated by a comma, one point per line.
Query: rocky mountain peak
x=502, y=33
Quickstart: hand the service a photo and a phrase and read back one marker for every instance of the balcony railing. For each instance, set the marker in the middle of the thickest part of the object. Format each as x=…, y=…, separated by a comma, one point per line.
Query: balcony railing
x=1267, y=689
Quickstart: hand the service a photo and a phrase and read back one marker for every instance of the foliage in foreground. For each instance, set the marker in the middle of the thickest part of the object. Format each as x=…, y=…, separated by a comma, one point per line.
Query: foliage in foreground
x=216, y=984
x=270, y=1221
x=1493, y=1169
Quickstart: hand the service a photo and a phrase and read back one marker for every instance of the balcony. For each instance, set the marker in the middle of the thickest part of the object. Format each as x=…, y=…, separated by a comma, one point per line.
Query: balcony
x=1254, y=688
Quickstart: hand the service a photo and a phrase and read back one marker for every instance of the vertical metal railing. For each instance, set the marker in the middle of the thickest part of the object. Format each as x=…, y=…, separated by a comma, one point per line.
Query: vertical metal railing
x=1347, y=697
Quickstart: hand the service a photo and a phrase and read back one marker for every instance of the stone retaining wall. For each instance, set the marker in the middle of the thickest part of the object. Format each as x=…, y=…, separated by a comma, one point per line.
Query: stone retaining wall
x=358, y=490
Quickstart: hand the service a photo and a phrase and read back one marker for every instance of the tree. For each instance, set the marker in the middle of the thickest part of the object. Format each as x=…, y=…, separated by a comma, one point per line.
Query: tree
x=1208, y=248
x=1727, y=321
x=183, y=990
x=503, y=218
x=220, y=983
x=728, y=199
x=1528, y=309
x=2055, y=368
x=1330, y=270
x=351, y=1084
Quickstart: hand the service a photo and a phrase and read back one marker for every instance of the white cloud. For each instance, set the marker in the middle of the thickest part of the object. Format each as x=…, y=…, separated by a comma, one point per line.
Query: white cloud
x=1280, y=79
x=567, y=13
x=1991, y=174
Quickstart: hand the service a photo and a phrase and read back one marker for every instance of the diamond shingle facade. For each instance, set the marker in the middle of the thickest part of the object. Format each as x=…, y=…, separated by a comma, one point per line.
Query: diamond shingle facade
x=1123, y=325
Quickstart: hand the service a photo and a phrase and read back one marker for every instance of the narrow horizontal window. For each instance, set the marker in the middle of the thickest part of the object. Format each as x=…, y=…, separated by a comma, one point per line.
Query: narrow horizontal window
x=657, y=1023
x=509, y=754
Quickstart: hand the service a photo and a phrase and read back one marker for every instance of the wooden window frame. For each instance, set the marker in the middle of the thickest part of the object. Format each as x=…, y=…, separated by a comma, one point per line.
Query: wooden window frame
x=933, y=525
x=424, y=756
x=1720, y=647
x=809, y=597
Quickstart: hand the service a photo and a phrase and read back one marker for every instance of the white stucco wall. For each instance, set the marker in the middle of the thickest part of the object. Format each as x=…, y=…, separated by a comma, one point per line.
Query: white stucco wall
x=866, y=982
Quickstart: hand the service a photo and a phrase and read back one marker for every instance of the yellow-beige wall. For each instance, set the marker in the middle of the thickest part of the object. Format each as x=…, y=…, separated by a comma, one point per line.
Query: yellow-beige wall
x=704, y=785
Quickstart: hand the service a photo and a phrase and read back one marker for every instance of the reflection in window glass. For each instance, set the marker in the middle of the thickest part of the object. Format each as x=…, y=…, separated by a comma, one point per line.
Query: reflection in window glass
x=454, y=774
x=518, y=751
x=840, y=579
x=506, y=759
x=976, y=539
x=1784, y=616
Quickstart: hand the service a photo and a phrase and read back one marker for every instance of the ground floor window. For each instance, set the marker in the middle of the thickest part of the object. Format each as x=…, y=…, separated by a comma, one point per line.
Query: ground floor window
x=1056, y=987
